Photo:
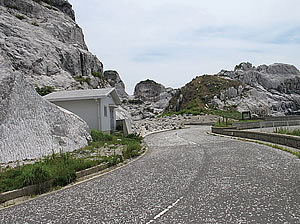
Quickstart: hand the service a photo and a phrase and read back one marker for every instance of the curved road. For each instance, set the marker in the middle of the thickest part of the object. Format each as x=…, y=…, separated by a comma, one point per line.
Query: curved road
x=186, y=177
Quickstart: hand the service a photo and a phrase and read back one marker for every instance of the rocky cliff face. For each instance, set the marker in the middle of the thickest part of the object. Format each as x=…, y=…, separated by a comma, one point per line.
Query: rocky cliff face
x=114, y=80
x=265, y=90
x=272, y=90
x=150, y=99
x=148, y=90
x=41, y=44
x=31, y=127
x=40, y=39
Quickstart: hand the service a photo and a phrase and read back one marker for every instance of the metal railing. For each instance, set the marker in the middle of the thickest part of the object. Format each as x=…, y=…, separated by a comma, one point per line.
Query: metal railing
x=279, y=124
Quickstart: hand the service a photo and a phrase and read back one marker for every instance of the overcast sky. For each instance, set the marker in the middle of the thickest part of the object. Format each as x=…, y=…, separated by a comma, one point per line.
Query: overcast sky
x=172, y=41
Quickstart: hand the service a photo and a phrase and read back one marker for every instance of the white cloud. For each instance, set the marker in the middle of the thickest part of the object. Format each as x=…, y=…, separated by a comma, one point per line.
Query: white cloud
x=172, y=41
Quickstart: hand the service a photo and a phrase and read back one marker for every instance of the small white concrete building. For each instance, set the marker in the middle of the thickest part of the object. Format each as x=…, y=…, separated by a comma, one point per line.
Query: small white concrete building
x=95, y=106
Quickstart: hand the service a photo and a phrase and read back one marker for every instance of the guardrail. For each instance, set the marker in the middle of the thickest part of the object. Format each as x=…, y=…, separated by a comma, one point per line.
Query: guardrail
x=265, y=124
x=288, y=140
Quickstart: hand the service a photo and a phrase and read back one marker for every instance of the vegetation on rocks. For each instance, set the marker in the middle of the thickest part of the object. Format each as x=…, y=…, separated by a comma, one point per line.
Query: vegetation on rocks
x=195, y=97
x=20, y=17
x=98, y=74
x=44, y=90
x=61, y=168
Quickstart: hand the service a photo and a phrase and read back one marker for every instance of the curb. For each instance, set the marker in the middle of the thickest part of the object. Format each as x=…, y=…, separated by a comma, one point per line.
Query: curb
x=45, y=188
x=286, y=148
x=82, y=176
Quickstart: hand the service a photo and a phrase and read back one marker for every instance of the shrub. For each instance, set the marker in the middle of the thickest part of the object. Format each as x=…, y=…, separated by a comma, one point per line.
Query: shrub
x=20, y=17
x=98, y=74
x=44, y=90
x=35, y=174
x=99, y=136
x=135, y=137
x=131, y=150
x=81, y=79
x=113, y=160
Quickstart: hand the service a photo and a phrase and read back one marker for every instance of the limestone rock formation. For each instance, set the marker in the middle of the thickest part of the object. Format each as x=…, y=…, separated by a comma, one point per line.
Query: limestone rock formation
x=114, y=80
x=31, y=127
x=150, y=99
x=272, y=90
x=263, y=90
x=148, y=90
x=41, y=39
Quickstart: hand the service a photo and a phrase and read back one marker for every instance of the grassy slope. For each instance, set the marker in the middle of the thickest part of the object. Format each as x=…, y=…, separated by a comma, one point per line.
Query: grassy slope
x=199, y=92
x=61, y=168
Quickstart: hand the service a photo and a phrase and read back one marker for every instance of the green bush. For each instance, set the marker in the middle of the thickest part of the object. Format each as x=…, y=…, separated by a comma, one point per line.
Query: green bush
x=286, y=131
x=131, y=150
x=20, y=17
x=99, y=136
x=61, y=168
x=44, y=90
x=81, y=79
x=35, y=174
x=98, y=74
x=135, y=137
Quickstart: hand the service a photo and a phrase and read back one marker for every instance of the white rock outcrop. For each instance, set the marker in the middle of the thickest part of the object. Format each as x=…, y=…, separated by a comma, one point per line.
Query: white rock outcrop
x=268, y=90
x=31, y=127
x=44, y=42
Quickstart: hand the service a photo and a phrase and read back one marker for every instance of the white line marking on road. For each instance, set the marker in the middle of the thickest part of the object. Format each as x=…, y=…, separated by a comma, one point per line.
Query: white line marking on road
x=164, y=211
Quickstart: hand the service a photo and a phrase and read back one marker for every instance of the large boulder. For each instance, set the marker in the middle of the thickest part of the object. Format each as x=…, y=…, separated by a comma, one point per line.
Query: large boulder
x=42, y=41
x=149, y=100
x=114, y=80
x=31, y=127
x=149, y=90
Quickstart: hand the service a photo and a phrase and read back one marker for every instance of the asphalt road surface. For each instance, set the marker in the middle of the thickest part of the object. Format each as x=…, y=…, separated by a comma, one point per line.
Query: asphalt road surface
x=187, y=176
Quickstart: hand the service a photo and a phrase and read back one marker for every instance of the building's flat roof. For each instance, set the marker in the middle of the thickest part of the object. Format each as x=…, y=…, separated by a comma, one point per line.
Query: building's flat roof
x=83, y=95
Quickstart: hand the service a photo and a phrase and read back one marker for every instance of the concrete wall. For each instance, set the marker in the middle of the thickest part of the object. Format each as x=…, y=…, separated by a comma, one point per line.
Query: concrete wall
x=292, y=141
x=86, y=109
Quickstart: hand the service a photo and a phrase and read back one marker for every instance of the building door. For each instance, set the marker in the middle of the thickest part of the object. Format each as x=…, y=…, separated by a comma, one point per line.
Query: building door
x=112, y=119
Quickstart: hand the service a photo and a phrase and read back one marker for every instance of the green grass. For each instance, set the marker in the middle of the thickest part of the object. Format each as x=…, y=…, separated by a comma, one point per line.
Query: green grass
x=98, y=74
x=81, y=79
x=61, y=168
x=223, y=124
x=285, y=131
x=44, y=90
x=230, y=123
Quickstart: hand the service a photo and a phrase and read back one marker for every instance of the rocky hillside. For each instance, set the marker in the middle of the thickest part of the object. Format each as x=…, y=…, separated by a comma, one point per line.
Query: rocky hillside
x=115, y=80
x=41, y=44
x=41, y=39
x=150, y=99
x=265, y=90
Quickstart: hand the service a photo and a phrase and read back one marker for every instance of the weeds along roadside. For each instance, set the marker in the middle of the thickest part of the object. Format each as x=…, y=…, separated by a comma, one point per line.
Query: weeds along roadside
x=61, y=168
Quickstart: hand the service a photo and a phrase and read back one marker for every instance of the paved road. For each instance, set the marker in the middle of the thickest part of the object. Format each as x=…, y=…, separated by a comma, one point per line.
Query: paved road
x=186, y=177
